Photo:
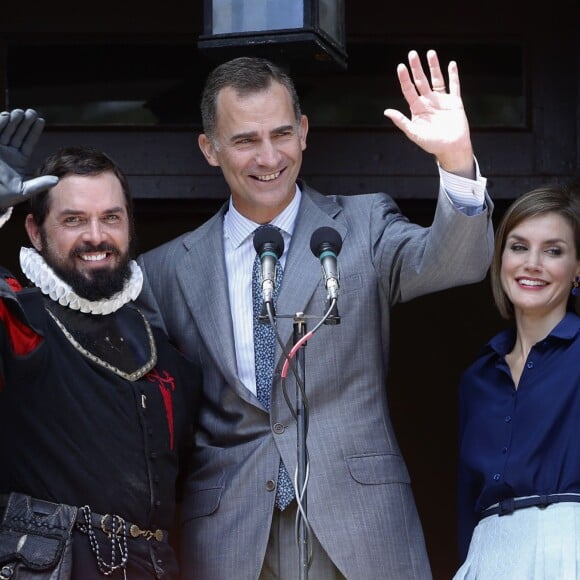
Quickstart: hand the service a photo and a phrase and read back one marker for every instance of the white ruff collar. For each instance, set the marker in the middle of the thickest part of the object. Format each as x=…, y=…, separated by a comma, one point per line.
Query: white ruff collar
x=44, y=278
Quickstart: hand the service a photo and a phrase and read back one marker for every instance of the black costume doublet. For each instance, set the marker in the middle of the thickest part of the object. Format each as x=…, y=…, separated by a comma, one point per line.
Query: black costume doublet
x=99, y=412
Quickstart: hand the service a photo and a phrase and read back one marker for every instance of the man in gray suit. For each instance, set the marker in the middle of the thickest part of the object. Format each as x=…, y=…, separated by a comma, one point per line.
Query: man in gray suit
x=361, y=515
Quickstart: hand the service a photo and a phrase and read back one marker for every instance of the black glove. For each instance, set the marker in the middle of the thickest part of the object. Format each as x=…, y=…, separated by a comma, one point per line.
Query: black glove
x=14, y=190
x=19, y=133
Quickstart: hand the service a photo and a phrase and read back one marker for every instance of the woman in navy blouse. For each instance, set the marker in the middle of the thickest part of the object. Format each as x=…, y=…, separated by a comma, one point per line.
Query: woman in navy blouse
x=519, y=474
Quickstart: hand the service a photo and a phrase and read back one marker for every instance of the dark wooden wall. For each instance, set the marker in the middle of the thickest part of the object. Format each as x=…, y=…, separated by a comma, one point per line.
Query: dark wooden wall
x=434, y=337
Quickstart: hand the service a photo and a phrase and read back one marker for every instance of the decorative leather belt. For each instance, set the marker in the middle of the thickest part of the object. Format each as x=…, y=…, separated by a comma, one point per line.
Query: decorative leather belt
x=107, y=523
x=511, y=504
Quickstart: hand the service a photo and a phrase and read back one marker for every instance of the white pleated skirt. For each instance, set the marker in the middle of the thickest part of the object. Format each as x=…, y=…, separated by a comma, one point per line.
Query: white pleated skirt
x=529, y=544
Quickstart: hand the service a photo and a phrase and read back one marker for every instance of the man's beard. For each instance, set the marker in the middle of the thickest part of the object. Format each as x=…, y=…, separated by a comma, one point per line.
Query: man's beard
x=101, y=283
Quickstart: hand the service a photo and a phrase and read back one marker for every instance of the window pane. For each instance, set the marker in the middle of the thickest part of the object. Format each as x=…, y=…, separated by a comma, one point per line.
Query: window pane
x=160, y=84
x=491, y=78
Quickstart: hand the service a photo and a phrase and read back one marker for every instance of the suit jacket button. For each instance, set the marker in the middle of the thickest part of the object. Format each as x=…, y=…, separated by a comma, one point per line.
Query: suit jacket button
x=279, y=428
x=270, y=485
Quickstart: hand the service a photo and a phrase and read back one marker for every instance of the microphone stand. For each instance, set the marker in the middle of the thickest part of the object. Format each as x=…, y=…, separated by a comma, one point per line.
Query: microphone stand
x=299, y=333
x=301, y=454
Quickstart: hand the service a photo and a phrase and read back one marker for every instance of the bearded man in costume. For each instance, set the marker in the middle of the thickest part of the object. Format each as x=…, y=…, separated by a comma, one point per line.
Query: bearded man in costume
x=96, y=406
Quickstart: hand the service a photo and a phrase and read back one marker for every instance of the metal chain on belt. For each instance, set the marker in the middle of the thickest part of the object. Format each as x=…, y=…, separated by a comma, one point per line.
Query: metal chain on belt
x=117, y=532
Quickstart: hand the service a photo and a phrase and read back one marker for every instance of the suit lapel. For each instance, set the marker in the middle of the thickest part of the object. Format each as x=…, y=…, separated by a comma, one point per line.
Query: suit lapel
x=203, y=280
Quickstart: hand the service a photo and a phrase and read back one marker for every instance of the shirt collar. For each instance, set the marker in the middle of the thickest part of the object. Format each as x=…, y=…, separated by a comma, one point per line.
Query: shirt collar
x=566, y=329
x=237, y=228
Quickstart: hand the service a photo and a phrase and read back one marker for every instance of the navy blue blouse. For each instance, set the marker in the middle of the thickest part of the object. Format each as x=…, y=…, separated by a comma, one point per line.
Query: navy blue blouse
x=519, y=442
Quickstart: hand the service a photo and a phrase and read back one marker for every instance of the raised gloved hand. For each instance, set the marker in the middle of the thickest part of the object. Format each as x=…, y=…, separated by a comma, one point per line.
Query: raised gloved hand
x=19, y=133
x=13, y=189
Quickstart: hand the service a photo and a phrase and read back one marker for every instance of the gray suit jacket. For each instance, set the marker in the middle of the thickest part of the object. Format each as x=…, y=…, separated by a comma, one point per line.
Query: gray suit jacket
x=360, y=503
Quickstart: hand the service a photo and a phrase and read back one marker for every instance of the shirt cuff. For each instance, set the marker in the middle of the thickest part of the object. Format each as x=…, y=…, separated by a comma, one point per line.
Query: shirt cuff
x=466, y=194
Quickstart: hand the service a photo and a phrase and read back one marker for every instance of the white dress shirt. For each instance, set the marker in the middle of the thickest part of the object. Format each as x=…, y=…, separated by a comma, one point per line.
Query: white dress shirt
x=240, y=256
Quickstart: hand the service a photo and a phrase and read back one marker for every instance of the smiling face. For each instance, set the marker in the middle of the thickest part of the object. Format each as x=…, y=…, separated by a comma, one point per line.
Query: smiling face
x=85, y=236
x=258, y=145
x=539, y=264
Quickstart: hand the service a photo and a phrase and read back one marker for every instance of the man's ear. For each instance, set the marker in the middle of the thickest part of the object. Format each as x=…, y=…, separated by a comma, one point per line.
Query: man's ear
x=33, y=232
x=303, y=131
x=208, y=149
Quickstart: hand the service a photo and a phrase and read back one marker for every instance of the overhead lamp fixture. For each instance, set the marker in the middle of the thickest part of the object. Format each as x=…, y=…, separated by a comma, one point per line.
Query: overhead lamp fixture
x=307, y=33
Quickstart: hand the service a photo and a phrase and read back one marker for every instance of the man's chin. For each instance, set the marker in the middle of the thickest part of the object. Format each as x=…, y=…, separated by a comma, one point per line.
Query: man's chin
x=93, y=273
x=98, y=283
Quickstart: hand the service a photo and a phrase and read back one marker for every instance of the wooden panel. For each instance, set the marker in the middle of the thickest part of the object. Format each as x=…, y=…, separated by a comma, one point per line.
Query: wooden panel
x=168, y=164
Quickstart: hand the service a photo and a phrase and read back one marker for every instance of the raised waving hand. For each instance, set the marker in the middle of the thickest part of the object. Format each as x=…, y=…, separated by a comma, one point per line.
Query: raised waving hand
x=438, y=123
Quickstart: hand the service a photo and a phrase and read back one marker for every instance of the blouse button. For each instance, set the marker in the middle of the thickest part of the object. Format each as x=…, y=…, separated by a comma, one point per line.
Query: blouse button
x=496, y=477
x=508, y=418
x=530, y=365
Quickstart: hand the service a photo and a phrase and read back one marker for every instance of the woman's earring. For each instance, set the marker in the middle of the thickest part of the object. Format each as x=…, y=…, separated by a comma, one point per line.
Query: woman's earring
x=576, y=286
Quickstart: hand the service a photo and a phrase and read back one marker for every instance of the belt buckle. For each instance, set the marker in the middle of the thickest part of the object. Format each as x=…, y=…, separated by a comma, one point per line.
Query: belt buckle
x=136, y=532
x=109, y=530
x=506, y=506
